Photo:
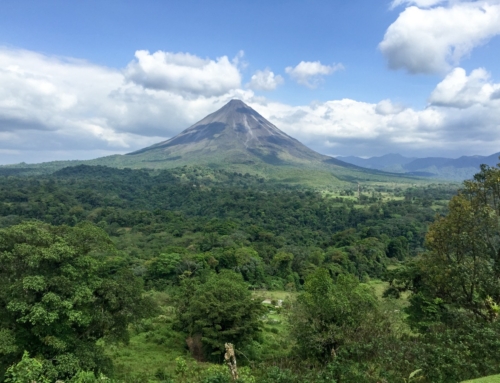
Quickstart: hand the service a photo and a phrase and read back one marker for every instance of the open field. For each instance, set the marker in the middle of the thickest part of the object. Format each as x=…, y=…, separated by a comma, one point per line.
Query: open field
x=488, y=379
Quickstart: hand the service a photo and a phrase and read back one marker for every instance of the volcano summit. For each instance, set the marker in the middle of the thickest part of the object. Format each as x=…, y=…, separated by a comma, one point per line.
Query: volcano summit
x=234, y=134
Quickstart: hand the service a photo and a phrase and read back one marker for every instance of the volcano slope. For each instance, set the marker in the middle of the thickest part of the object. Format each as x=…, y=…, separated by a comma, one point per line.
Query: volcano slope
x=234, y=134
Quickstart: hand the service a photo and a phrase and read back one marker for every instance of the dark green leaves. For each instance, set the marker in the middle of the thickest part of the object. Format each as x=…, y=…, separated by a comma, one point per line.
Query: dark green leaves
x=60, y=293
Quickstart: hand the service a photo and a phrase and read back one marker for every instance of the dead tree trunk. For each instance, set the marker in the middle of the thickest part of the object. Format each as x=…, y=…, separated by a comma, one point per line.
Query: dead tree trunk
x=230, y=359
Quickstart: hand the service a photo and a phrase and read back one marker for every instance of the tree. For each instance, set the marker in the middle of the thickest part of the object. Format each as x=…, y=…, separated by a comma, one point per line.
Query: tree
x=61, y=290
x=398, y=248
x=220, y=311
x=28, y=370
x=163, y=269
x=460, y=275
x=330, y=314
x=282, y=264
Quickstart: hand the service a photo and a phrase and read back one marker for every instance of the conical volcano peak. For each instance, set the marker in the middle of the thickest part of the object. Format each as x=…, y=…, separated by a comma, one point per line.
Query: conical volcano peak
x=235, y=132
x=235, y=103
x=235, y=124
x=235, y=111
x=237, y=106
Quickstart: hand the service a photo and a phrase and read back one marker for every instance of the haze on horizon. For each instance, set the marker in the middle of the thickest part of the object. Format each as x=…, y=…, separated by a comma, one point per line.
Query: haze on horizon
x=416, y=77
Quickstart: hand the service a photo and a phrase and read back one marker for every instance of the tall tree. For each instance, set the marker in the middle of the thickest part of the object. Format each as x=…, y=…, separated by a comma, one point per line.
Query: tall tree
x=330, y=314
x=461, y=272
x=219, y=311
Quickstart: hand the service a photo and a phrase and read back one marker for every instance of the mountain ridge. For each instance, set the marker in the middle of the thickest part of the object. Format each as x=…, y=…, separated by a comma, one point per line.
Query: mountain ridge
x=456, y=169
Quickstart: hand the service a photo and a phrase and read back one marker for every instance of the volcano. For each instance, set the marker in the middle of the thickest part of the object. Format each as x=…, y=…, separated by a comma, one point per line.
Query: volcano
x=234, y=134
x=235, y=138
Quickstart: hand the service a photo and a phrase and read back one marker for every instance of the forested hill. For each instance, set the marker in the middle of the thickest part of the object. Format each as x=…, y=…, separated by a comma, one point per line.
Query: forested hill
x=211, y=210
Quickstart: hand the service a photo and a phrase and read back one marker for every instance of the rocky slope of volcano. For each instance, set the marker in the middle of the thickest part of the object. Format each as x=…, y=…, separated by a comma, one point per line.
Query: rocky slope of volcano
x=233, y=134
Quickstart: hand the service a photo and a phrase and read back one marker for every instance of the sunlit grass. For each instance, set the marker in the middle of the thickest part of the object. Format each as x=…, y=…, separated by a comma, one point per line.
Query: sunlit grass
x=488, y=379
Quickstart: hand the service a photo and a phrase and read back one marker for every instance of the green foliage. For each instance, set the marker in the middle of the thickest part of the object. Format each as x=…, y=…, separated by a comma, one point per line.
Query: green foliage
x=180, y=366
x=163, y=268
x=217, y=374
x=461, y=273
x=277, y=375
x=398, y=248
x=28, y=370
x=330, y=314
x=489, y=379
x=61, y=290
x=221, y=310
x=201, y=238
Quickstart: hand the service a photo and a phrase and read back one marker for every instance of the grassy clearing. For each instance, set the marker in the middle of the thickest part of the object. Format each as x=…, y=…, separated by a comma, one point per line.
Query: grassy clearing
x=276, y=295
x=378, y=287
x=144, y=355
x=275, y=342
x=488, y=379
x=154, y=345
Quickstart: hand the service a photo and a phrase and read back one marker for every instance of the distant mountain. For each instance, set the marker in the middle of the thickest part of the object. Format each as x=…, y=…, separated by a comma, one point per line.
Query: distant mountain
x=456, y=169
x=459, y=163
x=389, y=162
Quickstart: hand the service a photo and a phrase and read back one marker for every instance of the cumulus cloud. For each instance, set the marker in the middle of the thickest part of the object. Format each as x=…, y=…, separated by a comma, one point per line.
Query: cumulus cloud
x=496, y=95
x=309, y=73
x=340, y=123
x=265, y=80
x=432, y=40
x=386, y=107
x=184, y=72
x=351, y=127
x=461, y=91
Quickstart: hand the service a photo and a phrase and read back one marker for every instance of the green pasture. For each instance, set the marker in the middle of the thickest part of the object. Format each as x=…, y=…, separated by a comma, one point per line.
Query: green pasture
x=488, y=379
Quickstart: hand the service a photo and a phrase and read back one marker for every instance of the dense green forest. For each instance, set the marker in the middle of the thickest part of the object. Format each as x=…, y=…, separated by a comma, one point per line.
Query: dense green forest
x=372, y=282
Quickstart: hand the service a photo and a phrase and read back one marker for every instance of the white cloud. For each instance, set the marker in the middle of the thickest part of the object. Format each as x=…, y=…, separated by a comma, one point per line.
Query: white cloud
x=265, y=80
x=183, y=72
x=350, y=127
x=343, y=122
x=461, y=91
x=496, y=95
x=432, y=40
x=386, y=107
x=309, y=73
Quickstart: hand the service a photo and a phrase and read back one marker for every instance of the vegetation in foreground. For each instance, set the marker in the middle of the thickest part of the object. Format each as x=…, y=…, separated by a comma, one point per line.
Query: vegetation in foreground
x=130, y=276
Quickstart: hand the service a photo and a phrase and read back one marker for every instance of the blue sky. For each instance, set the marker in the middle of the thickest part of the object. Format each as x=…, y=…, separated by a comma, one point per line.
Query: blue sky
x=83, y=79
